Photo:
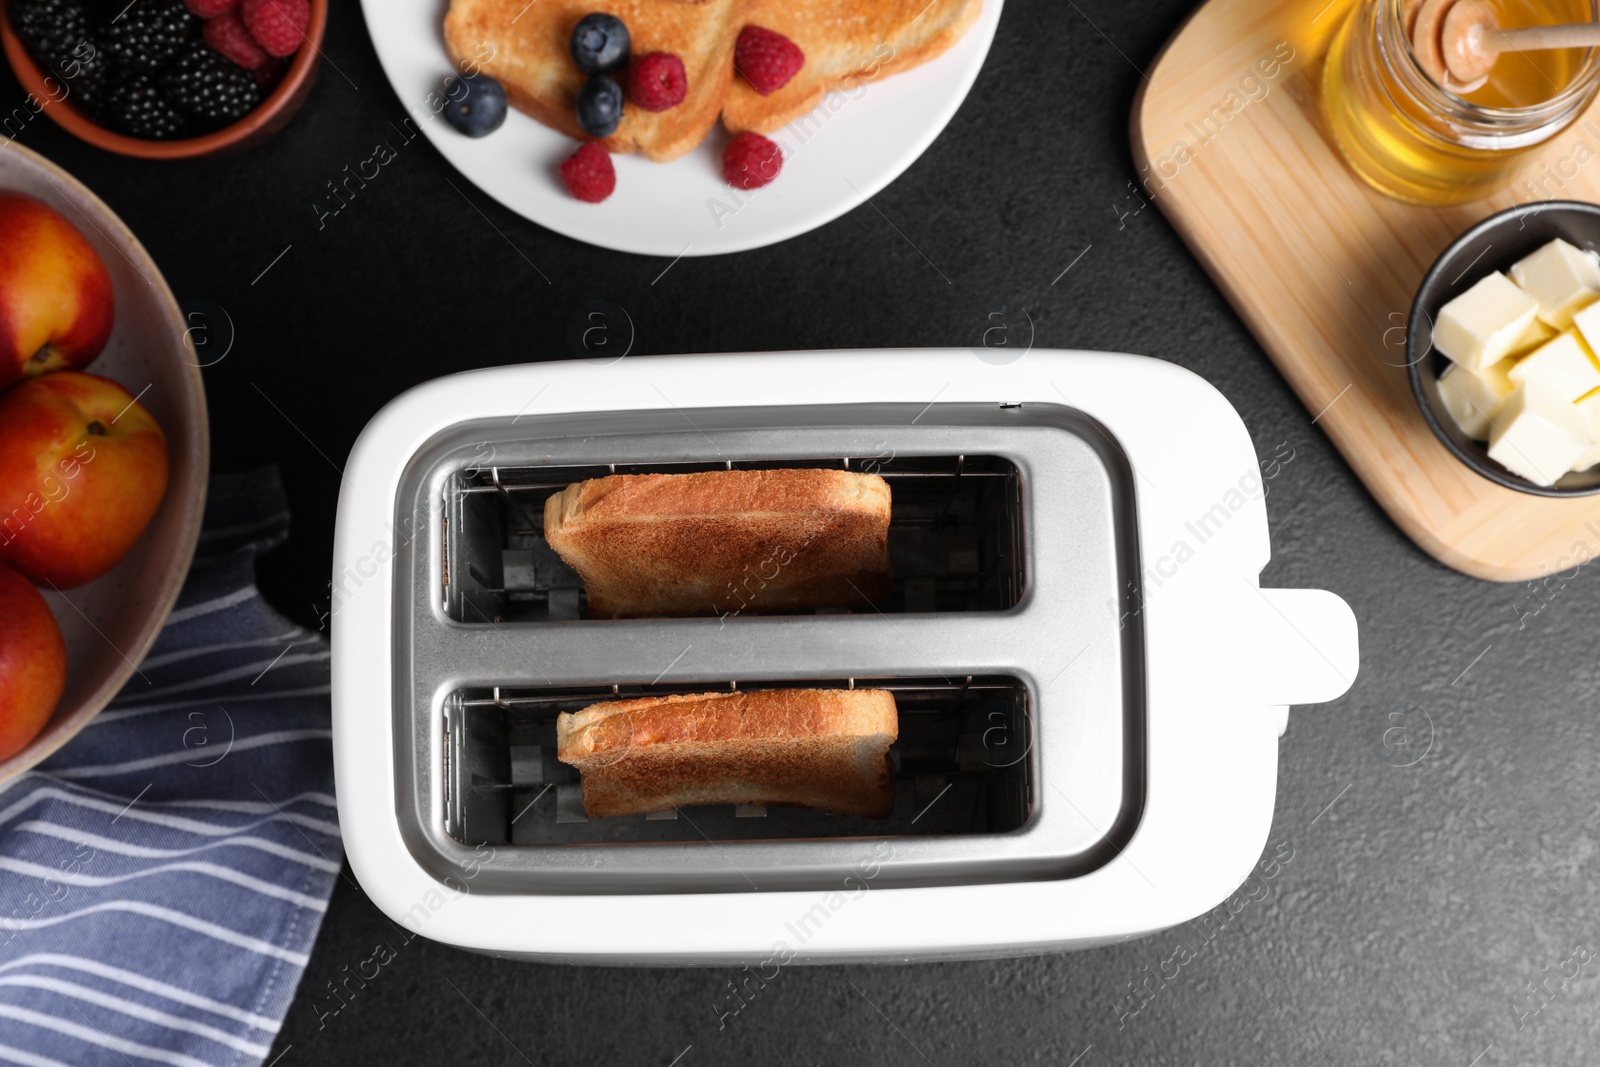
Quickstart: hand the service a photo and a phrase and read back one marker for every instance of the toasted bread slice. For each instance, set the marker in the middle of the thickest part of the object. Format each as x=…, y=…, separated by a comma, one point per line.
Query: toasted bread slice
x=818, y=748
x=848, y=44
x=524, y=46
x=724, y=542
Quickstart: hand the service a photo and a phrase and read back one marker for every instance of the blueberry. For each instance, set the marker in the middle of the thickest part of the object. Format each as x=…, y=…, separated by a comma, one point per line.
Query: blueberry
x=600, y=106
x=600, y=44
x=476, y=106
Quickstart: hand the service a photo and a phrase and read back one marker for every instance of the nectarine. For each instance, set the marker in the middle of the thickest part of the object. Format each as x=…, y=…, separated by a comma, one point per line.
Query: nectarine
x=33, y=663
x=56, y=301
x=83, y=468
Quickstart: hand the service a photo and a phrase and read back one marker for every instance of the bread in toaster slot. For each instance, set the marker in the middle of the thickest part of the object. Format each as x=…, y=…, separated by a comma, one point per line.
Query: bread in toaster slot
x=724, y=542
x=817, y=748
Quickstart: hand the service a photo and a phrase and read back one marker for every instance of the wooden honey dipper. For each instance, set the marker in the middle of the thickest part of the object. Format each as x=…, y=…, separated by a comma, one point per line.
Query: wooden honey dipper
x=1457, y=41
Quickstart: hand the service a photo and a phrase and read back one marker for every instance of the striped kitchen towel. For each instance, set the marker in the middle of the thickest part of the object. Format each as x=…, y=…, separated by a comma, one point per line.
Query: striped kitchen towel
x=163, y=876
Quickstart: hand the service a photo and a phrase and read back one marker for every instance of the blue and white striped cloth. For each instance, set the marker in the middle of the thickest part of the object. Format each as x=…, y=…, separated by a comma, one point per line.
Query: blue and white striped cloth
x=163, y=876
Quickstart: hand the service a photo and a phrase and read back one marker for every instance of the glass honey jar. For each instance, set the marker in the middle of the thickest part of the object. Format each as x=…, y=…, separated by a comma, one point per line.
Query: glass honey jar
x=1418, y=141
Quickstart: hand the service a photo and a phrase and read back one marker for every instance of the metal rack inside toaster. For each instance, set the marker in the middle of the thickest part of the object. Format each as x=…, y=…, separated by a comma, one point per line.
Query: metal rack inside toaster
x=955, y=536
x=1040, y=494
x=961, y=762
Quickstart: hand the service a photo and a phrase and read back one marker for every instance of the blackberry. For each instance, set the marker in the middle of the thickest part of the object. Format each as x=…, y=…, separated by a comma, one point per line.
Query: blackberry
x=52, y=29
x=90, y=97
x=57, y=35
x=86, y=76
x=209, y=87
x=87, y=65
x=139, y=108
x=146, y=34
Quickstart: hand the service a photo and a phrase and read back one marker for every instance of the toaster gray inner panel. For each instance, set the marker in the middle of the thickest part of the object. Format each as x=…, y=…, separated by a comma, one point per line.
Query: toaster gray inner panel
x=1011, y=640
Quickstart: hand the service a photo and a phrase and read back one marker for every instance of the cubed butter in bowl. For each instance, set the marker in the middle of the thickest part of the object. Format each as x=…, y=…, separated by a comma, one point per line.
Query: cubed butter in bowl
x=1561, y=367
x=1482, y=325
x=1586, y=324
x=1561, y=278
x=1589, y=409
x=1474, y=398
x=1502, y=344
x=1538, y=434
x=1535, y=335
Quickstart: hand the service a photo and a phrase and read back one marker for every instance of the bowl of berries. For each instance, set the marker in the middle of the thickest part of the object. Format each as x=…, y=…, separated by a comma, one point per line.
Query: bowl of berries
x=165, y=79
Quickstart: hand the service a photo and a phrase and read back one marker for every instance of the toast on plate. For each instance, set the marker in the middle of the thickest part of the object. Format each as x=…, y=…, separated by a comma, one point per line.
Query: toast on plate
x=524, y=46
x=848, y=44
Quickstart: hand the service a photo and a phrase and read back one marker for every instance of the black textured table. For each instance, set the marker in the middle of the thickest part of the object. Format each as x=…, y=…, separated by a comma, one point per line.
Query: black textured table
x=1422, y=905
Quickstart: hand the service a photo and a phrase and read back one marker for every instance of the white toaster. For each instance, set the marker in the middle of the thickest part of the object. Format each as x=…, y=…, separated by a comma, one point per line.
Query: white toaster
x=1091, y=683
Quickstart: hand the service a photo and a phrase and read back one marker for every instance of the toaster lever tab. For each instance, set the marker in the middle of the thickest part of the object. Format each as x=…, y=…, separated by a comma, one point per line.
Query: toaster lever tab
x=1304, y=645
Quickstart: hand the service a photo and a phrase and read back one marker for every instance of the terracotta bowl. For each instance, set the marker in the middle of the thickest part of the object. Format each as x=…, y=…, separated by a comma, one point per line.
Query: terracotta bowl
x=273, y=114
x=110, y=623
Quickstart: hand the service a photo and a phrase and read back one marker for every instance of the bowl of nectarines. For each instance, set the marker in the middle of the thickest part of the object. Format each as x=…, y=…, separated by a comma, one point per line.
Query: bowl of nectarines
x=103, y=456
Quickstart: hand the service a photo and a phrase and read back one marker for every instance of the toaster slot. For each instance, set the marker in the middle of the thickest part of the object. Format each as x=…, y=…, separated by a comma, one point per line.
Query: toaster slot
x=955, y=536
x=1008, y=637
x=961, y=764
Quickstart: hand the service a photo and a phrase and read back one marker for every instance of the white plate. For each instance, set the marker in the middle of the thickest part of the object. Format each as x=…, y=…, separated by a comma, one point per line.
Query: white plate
x=846, y=150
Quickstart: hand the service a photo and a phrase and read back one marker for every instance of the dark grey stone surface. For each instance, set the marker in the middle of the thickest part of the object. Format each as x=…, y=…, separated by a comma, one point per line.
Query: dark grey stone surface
x=1420, y=901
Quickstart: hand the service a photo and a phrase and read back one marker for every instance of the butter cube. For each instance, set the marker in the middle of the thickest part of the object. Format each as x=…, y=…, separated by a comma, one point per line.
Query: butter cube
x=1537, y=334
x=1537, y=436
x=1587, y=323
x=1561, y=368
x=1478, y=328
x=1588, y=459
x=1474, y=398
x=1588, y=409
x=1562, y=278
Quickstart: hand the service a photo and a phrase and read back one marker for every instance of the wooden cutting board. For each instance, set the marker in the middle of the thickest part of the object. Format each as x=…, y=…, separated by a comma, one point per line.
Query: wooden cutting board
x=1232, y=147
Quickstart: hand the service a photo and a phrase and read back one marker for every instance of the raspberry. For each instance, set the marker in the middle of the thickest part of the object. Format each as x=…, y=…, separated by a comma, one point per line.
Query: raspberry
x=751, y=161
x=767, y=59
x=277, y=25
x=210, y=9
x=589, y=175
x=227, y=36
x=657, y=81
x=270, y=73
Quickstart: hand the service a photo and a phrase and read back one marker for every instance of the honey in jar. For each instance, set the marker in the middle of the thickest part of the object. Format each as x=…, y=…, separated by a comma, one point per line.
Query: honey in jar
x=1414, y=139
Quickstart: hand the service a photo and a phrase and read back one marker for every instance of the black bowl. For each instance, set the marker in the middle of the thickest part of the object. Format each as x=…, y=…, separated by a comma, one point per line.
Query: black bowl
x=1493, y=244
